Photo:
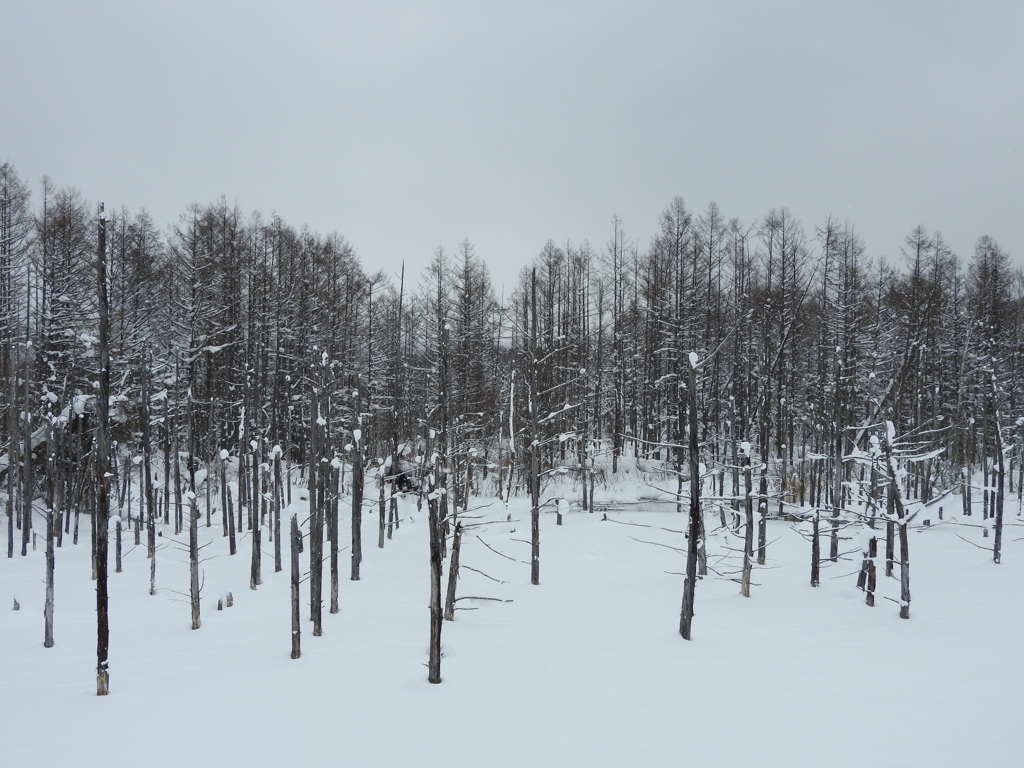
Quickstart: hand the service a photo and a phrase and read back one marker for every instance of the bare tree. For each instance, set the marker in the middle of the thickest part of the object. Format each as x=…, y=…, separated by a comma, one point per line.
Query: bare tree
x=296, y=537
x=694, y=528
x=102, y=463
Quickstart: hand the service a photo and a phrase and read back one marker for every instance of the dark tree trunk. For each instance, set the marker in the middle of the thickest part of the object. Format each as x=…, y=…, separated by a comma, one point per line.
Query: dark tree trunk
x=152, y=572
x=453, y=574
x=211, y=453
x=101, y=468
x=534, y=442
x=357, y=502
x=748, y=528
x=381, y=514
x=762, y=509
x=167, y=464
x=815, y=547
x=869, y=596
x=48, y=609
x=1000, y=492
x=436, y=615
x=316, y=528
x=193, y=557
x=837, y=502
x=277, y=509
x=12, y=423
x=255, y=570
x=902, y=521
x=333, y=526
x=890, y=530
x=178, y=509
x=296, y=618
x=694, y=530
x=229, y=507
x=26, y=471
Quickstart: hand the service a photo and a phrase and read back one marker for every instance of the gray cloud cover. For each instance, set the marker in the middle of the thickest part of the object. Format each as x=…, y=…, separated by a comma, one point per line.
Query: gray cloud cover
x=408, y=125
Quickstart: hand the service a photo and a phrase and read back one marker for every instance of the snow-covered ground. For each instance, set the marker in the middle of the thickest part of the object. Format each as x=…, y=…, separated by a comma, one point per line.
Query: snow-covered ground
x=586, y=669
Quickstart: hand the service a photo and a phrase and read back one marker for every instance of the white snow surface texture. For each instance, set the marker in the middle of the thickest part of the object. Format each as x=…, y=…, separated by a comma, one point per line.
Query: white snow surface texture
x=587, y=669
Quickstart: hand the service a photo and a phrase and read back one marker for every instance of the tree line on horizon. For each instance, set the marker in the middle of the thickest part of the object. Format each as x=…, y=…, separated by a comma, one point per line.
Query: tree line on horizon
x=808, y=341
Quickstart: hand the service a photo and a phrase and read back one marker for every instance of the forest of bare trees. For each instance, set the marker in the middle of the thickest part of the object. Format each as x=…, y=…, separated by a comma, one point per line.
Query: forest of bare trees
x=826, y=376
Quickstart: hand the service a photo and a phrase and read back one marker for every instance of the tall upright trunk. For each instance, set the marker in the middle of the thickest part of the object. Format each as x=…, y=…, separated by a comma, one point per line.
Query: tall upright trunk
x=336, y=469
x=381, y=512
x=193, y=557
x=12, y=426
x=694, y=530
x=901, y=520
x=255, y=566
x=436, y=615
x=277, y=508
x=296, y=618
x=28, y=485
x=453, y=574
x=226, y=502
x=357, y=493
x=534, y=441
x=101, y=466
x=816, y=547
x=316, y=535
x=1000, y=491
x=837, y=488
x=177, y=481
x=748, y=528
x=48, y=608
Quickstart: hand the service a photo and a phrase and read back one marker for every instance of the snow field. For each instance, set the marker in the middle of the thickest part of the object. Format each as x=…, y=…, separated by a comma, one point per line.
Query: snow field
x=586, y=669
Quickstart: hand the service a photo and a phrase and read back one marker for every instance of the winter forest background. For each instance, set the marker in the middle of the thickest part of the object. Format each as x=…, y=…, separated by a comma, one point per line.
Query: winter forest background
x=232, y=320
x=764, y=399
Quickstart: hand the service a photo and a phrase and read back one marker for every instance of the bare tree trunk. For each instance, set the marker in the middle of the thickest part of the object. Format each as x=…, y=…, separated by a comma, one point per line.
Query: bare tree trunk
x=10, y=506
x=296, y=618
x=229, y=505
x=381, y=513
x=167, y=463
x=101, y=467
x=534, y=442
x=694, y=531
x=255, y=574
x=357, y=500
x=453, y=574
x=147, y=466
x=868, y=572
x=48, y=609
x=762, y=509
x=837, y=468
x=211, y=452
x=12, y=426
x=333, y=526
x=748, y=508
x=901, y=518
x=277, y=508
x=967, y=489
x=816, y=547
x=393, y=510
x=26, y=471
x=1000, y=492
x=316, y=532
x=436, y=616
x=193, y=557
x=837, y=502
x=890, y=531
x=152, y=571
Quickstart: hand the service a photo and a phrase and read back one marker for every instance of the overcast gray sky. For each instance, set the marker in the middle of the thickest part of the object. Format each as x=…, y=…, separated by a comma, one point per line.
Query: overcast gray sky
x=408, y=125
